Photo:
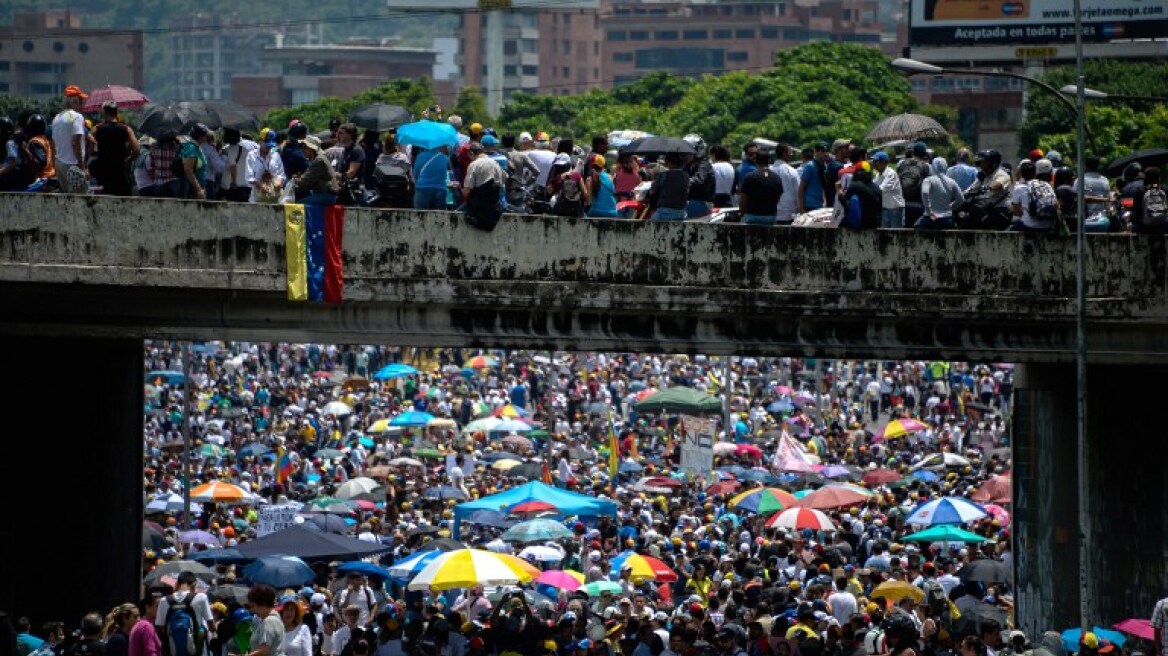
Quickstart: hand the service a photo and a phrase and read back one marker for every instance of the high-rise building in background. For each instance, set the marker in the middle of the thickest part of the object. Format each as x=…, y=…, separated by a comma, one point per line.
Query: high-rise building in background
x=43, y=52
x=205, y=53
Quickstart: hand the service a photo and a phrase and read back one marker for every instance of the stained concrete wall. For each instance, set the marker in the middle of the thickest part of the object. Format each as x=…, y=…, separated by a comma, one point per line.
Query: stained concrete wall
x=188, y=269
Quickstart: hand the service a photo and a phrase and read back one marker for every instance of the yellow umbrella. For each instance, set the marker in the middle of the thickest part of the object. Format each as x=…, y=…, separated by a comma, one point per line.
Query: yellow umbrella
x=379, y=426
x=897, y=590
x=505, y=464
x=464, y=568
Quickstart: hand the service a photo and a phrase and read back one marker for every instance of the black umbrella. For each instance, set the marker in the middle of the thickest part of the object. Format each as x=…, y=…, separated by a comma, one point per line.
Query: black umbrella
x=528, y=470
x=228, y=114
x=310, y=544
x=327, y=522
x=444, y=492
x=909, y=127
x=971, y=619
x=181, y=116
x=985, y=571
x=491, y=518
x=654, y=146
x=380, y=116
x=175, y=567
x=229, y=556
x=154, y=539
x=423, y=530
x=229, y=593
x=1145, y=158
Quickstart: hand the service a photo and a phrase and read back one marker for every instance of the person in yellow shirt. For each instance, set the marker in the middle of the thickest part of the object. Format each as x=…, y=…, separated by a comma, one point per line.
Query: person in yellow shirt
x=804, y=626
x=700, y=584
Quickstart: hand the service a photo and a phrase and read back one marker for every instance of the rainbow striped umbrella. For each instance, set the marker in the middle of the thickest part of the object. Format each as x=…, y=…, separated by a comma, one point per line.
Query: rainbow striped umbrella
x=646, y=567
x=763, y=500
x=220, y=492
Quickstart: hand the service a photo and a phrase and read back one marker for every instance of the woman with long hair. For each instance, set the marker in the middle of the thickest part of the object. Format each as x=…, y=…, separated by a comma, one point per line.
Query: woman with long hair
x=116, y=630
x=297, y=637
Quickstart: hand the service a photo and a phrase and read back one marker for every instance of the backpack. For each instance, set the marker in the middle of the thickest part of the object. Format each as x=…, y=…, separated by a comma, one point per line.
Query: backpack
x=912, y=176
x=853, y=212
x=482, y=206
x=571, y=200
x=185, y=635
x=1043, y=201
x=1155, y=206
x=935, y=597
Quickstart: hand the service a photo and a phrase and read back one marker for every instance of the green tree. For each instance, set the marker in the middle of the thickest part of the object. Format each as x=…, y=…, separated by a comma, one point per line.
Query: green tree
x=14, y=107
x=655, y=89
x=471, y=106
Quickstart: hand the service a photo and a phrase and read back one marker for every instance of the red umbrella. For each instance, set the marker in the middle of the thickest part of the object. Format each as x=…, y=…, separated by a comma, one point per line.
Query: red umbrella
x=881, y=476
x=748, y=449
x=724, y=487
x=832, y=496
x=996, y=490
x=532, y=507
x=1137, y=627
x=123, y=96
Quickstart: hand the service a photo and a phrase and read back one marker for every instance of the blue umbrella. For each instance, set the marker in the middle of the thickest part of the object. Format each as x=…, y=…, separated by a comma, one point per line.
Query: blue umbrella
x=500, y=455
x=227, y=556
x=537, y=530
x=947, y=510
x=780, y=406
x=924, y=475
x=253, y=450
x=412, y=418
x=363, y=567
x=1072, y=637
x=279, y=571
x=492, y=518
x=427, y=134
x=395, y=370
x=444, y=492
x=629, y=467
x=405, y=570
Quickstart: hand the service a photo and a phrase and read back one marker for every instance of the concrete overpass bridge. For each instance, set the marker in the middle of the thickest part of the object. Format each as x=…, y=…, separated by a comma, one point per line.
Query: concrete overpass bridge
x=84, y=279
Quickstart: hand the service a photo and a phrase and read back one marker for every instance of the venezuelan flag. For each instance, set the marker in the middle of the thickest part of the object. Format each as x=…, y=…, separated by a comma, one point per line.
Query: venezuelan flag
x=613, y=452
x=284, y=466
x=313, y=252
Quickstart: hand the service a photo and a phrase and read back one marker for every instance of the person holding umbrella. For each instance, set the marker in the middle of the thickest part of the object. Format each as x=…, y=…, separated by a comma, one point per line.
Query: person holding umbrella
x=116, y=148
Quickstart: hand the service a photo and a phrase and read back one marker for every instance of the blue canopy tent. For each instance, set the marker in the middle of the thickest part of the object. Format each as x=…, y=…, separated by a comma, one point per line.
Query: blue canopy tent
x=568, y=503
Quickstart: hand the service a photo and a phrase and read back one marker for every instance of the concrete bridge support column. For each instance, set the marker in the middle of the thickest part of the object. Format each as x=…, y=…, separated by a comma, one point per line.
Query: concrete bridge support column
x=1127, y=484
x=72, y=477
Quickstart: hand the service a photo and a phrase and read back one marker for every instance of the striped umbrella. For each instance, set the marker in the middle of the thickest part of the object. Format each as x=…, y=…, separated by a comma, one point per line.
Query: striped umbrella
x=898, y=428
x=947, y=510
x=801, y=518
x=481, y=362
x=646, y=567
x=763, y=500
x=405, y=570
x=220, y=492
x=465, y=568
x=907, y=127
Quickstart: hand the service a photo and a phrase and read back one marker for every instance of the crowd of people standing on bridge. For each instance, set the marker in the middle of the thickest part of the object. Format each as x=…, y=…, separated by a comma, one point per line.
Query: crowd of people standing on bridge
x=840, y=184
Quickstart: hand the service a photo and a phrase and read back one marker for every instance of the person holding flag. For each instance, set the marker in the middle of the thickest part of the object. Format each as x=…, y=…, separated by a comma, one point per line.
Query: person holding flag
x=285, y=467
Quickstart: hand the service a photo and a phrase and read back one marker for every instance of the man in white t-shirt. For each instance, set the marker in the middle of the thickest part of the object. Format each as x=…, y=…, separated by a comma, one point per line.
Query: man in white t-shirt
x=69, y=143
x=198, y=604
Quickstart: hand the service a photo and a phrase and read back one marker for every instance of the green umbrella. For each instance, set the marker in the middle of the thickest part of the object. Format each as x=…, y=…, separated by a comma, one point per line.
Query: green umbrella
x=596, y=587
x=428, y=453
x=945, y=533
x=680, y=399
x=537, y=433
x=328, y=504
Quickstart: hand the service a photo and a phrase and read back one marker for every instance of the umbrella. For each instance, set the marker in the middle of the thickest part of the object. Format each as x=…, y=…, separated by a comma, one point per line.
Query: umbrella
x=125, y=97
x=541, y=553
x=925, y=476
x=328, y=522
x=329, y=505
x=506, y=464
x=997, y=512
x=171, y=503
x=427, y=134
x=153, y=538
x=356, y=486
x=562, y=579
x=425, y=529
x=657, y=485
x=947, y=510
x=198, y=537
x=898, y=428
x=511, y=426
x=880, y=476
x=654, y=146
x=724, y=487
x=1145, y=158
x=337, y=409
x=680, y=399
x=428, y=453
x=220, y=492
x=910, y=127
x=379, y=116
x=945, y=533
x=229, y=556
x=311, y=544
x=467, y=567
x=532, y=507
x=832, y=496
x=395, y=370
x=406, y=569
x=1072, y=637
x=942, y=460
x=481, y=362
x=485, y=425
x=443, y=544
x=837, y=471
x=596, y=588
x=642, y=566
x=491, y=518
x=517, y=442
x=801, y=518
x=229, y=593
x=406, y=462
x=363, y=567
x=763, y=500
x=252, y=450
x=973, y=617
x=176, y=567
x=494, y=456
x=510, y=412
x=355, y=383
x=329, y=453
x=279, y=571
x=896, y=590
x=620, y=138
x=629, y=467
x=382, y=426
x=444, y=492
x=985, y=571
x=780, y=406
x=537, y=530
x=1137, y=627
x=211, y=451
x=229, y=114
x=412, y=418
x=181, y=116
x=996, y=489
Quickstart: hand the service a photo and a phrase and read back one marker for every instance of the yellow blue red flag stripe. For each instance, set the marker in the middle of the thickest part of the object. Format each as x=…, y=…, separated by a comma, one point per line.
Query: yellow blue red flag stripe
x=313, y=236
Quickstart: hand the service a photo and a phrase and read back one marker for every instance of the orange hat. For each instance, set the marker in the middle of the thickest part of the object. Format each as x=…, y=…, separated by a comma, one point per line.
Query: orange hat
x=74, y=91
x=229, y=532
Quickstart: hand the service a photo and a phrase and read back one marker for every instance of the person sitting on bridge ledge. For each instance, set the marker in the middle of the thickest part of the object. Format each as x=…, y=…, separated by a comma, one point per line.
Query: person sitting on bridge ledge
x=318, y=184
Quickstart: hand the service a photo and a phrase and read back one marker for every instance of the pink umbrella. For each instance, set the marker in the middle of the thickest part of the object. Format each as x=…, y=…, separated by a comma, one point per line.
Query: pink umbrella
x=364, y=504
x=803, y=398
x=783, y=389
x=123, y=96
x=559, y=579
x=1137, y=627
x=748, y=449
x=997, y=512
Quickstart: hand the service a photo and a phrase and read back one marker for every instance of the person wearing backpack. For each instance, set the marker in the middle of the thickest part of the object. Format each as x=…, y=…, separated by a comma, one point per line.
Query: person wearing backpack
x=1031, y=201
x=940, y=197
x=183, y=619
x=861, y=201
x=357, y=593
x=1153, y=206
x=935, y=597
x=912, y=172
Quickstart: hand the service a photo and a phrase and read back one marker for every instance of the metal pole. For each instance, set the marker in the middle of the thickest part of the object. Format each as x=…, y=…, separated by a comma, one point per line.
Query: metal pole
x=731, y=428
x=1085, y=583
x=187, y=353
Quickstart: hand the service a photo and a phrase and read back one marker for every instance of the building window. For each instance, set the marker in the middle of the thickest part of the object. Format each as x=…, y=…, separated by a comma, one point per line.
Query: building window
x=28, y=46
x=769, y=32
x=508, y=70
x=4, y=66
x=723, y=34
x=695, y=35
x=510, y=48
x=743, y=34
x=782, y=9
x=667, y=35
x=795, y=34
x=58, y=47
x=622, y=57
x=565, y=47
x=847, y=15
x=41, y=89
x=83, y=47
x=681, y=58
x=3, y=87
x=617, y=35
x=737, y=56
x=530, y=46
x=528, y=69
x=564, y=72
x=639, y=35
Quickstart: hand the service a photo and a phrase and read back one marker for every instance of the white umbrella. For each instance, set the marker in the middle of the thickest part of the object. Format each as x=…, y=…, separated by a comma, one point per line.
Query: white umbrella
x=355, y=487
x=406, y=462
x=941, y=460
x=542, y=553
x=170, y=502
x=511, y=426
x=337, y=409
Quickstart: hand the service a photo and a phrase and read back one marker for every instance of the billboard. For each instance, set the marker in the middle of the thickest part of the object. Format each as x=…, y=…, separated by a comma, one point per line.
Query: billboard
x=1024, y=22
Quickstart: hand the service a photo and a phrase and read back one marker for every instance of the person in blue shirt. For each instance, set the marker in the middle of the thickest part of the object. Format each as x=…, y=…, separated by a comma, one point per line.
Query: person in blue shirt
x=748, y=165
x=431, y=174
x=961, y=172
x=603, y=196
x=519, y=395
x=811, y=195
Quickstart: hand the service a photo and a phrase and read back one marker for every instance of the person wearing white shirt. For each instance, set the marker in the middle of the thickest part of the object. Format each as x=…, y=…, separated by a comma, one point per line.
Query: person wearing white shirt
x=891, y=194
x=233, y=179
x=265, y=171
x=789, y=177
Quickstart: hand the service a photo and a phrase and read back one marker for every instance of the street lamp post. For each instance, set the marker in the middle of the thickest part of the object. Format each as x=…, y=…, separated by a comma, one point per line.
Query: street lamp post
x=1092, y=94
x=914, y=67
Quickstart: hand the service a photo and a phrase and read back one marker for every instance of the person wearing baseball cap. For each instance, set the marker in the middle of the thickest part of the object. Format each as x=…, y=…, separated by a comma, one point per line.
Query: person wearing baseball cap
x=318, y=184
x=71, y=143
